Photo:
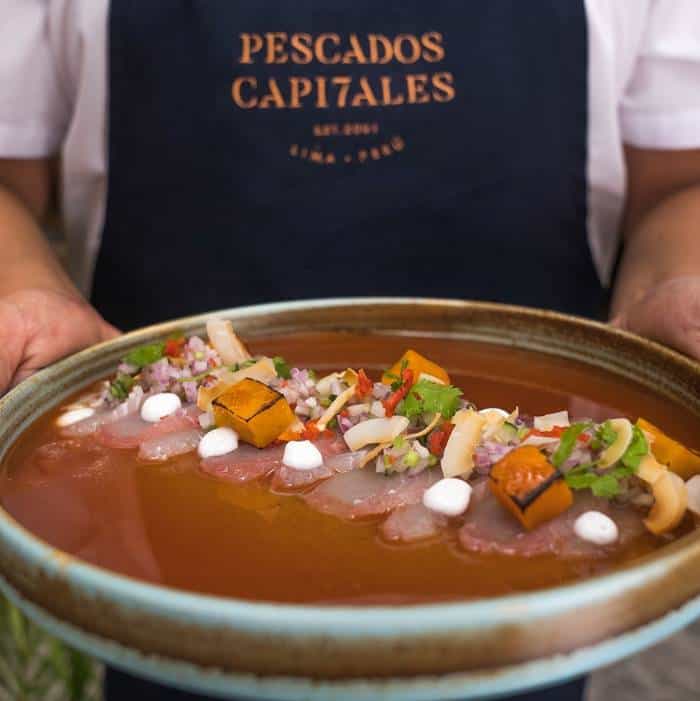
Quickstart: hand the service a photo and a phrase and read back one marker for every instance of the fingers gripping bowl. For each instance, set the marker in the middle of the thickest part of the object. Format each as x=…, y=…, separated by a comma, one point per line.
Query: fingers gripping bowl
x=389, y=625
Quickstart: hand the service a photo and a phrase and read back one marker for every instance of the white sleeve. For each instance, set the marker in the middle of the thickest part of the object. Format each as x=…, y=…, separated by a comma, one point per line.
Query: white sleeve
x=33, y=110
x=661, y=105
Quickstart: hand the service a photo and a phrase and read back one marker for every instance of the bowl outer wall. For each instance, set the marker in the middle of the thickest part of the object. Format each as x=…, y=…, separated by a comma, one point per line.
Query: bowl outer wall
x=482, y=637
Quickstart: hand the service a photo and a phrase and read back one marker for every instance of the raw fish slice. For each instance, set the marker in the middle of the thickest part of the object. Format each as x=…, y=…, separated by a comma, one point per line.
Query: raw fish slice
x=288, y=478
x=190, y=411
x=88, y=426
x=170, y=424
x=364, y=492
x=69, y=458
x=129, y=432
x=344, y=462
x=412, y=523
x=125, y=433
x=103, y=417
x=169, y=445
x=245, y=464
x=249, y=463
x=331, y=447
x=489, y=528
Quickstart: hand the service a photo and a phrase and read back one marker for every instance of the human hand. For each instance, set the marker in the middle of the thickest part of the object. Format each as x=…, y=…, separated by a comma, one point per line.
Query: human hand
x=669, y=312
x=38, y=327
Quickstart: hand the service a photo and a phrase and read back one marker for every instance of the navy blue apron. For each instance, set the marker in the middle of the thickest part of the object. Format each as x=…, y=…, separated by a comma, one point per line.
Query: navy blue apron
x=262, y=150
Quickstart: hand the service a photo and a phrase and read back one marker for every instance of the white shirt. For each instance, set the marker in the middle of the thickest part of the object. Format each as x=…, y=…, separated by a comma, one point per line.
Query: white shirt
x=644, y=90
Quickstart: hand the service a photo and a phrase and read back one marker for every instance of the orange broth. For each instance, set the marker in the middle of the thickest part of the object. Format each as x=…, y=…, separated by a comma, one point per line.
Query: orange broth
x=171, y=524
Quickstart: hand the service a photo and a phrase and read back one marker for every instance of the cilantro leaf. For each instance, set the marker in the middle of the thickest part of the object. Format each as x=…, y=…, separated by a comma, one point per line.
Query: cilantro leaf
x=605, y=436
x=121, y=386
x=567, y=443
x=636, y=450
x=427, y=397
x=145, y=355
x=581, y=480
x=281, y=368
x=606, y=486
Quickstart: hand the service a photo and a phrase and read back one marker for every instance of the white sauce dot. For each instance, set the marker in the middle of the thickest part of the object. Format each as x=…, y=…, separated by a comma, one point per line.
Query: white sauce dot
x=302, y=455
x=449, y=496
x=159, y=406
x=596, y=527
x=74, y=415
x=500, y=412
x=219, y=441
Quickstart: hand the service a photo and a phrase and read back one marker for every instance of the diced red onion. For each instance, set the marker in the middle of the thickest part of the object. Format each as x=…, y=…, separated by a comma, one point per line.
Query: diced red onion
x=380, y=390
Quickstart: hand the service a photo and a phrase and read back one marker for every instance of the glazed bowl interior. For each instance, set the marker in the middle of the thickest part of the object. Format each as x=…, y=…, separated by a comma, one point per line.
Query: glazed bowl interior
x=465, y=649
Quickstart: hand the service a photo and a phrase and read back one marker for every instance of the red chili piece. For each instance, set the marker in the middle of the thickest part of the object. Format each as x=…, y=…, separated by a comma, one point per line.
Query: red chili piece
x=437, y=440
x=364, y=385
x=173, y=347
x=392, y=401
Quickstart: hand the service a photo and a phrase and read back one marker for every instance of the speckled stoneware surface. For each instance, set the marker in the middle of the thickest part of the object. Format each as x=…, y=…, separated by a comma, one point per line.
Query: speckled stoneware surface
x=232, y=648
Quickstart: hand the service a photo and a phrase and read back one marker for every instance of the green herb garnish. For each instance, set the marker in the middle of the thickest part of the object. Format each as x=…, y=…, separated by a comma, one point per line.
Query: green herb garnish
x=581, y=476
x=281, y=368
x=121, y=386
x=604, y=437
x=145, y=355
x=397, y=380
x=605, y=485
x=567, y=443
x=427, y=397
x=636, y=450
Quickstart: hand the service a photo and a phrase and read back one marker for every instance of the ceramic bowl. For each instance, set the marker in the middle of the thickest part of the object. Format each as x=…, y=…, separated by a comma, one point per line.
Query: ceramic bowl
x=232, y=648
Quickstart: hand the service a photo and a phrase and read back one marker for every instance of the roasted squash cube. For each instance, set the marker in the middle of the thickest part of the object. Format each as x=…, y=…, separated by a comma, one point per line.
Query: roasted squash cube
x=255, y=411
x=419, y=365
x=530, y=487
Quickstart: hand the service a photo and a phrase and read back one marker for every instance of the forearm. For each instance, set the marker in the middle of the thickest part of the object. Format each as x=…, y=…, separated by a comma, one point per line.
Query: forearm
x=663, y=245
x=26, y=258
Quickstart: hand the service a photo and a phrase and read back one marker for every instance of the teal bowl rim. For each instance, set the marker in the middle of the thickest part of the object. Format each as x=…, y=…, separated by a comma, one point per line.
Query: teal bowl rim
x=345, y=622
x=457, y=686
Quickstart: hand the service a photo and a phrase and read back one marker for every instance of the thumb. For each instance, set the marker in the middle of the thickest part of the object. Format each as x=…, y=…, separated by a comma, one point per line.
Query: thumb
x=12, y=342
x=107, y=331
x=669, y=313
